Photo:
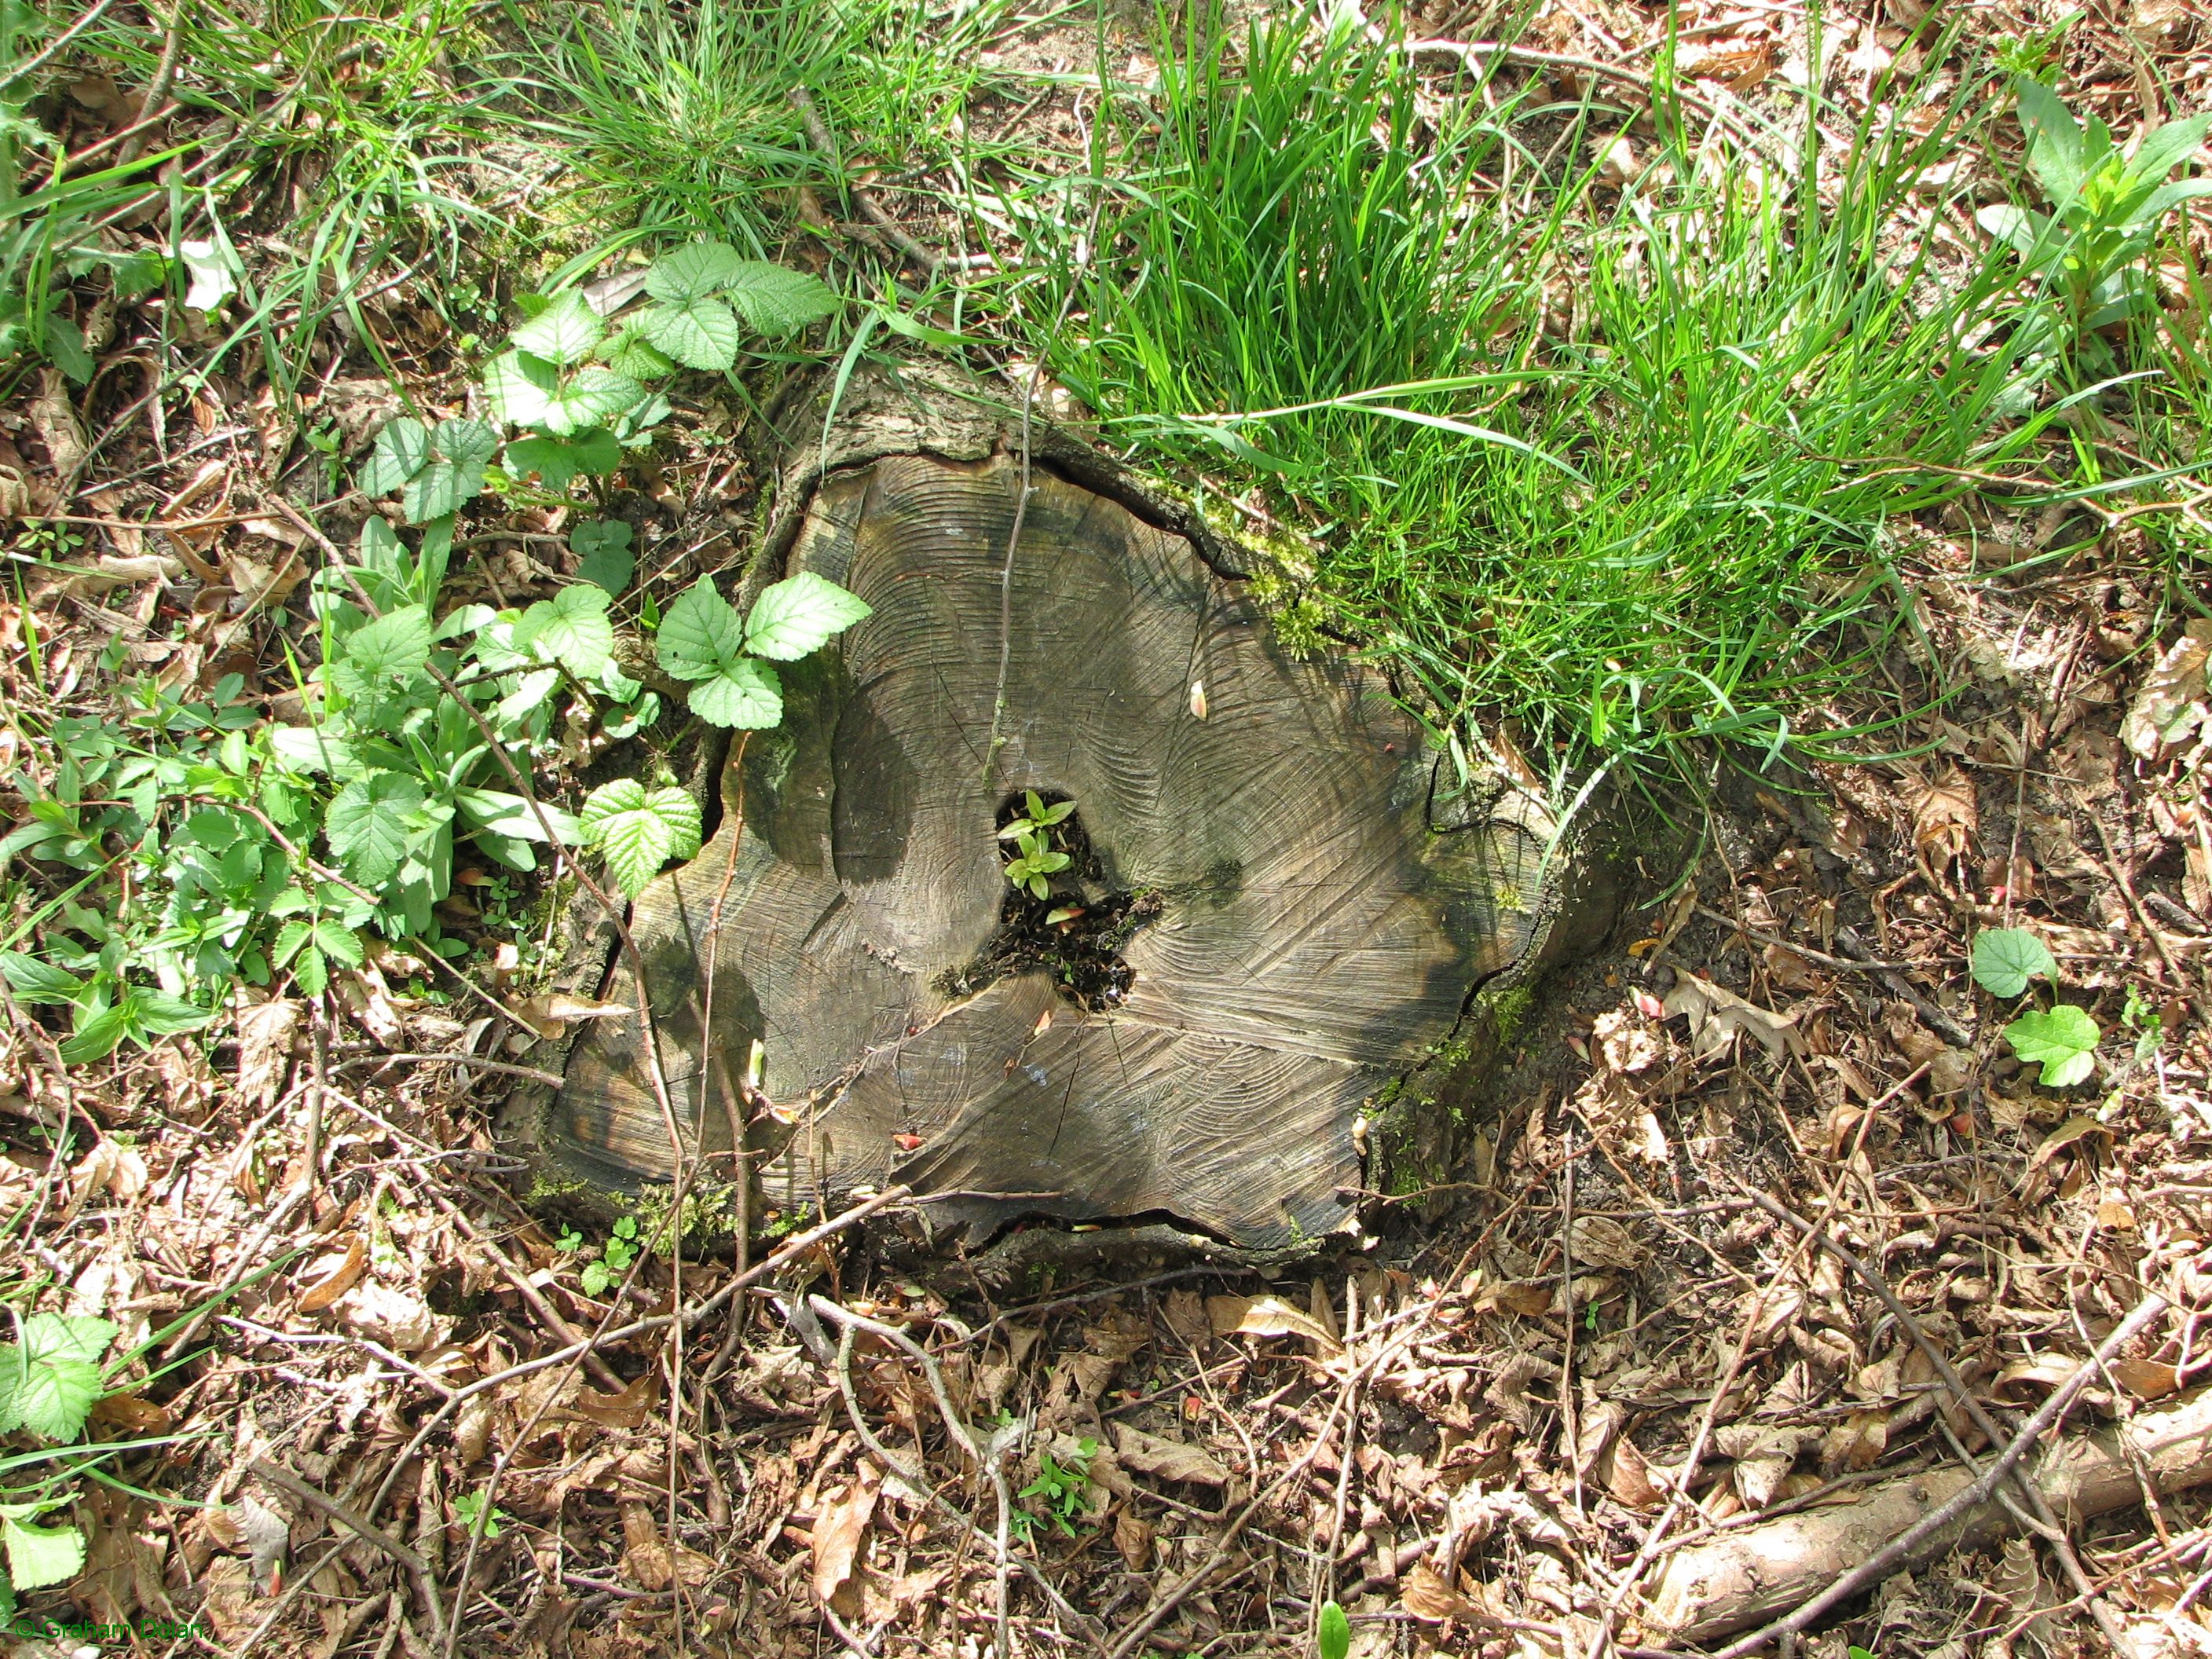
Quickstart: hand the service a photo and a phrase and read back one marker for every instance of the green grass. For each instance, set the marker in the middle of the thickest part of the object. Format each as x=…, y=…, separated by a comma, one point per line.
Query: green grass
x=680, y=120
x=345, y=152
x=1661, y=525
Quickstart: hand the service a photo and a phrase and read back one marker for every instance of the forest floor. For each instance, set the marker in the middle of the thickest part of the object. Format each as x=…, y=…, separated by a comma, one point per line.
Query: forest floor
x=369, y=1402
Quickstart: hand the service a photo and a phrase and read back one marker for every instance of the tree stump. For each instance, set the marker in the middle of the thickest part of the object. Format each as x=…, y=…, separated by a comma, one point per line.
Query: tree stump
x=1280, y=912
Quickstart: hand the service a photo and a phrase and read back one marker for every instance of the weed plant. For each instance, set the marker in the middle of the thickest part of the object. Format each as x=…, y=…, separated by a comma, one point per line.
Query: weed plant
x=1654, y=523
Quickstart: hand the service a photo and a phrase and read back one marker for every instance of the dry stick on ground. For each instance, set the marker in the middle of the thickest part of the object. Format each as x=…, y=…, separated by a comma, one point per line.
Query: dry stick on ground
x=918, y=1482
x=535, y=1298
x=1934, y=1018
x=1900, y=1549
x=818, y=134
x=284, y=1480
x=2044, y=1523
x=989, y=1456
x=1678, y=1490
x=533, y=1073
x=792, y=1247
x=1135, y=1636
x=1841, y=964
x=2119, y=875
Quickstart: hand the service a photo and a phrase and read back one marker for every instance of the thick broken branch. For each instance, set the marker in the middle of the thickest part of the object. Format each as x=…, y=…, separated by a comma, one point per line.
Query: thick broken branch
x=1713, y=1589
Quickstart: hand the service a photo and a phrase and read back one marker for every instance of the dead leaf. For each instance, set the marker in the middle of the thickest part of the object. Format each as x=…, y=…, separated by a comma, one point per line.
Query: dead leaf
x=1425, y=1595
x=1616, y=161
x=333, y=1276
x=392, y=1317
x=1267, y=1316
x=546, y=1014
x=1627, y=1475
x=1764, y=1453
x=1187, y=1317
x=2171, y=703
x=1167, y=1460
x=1856, y=1442
x=646, y=1558
x=840, y=1530
x=1598, y=1241
x=53, y=417
x=2018, y=1582
x=2146, y=1379
x=264, y=1047
x=133, y=1413
x=626, y=1411
x=1945, y=819
x=1133, y=1536
x=1718, y=1015
x=268, y=1534
x=2075, y=1128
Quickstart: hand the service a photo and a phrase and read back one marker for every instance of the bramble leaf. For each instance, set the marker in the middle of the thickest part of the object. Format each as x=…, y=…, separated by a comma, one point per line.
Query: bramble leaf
x=572, y=629
x=700, y=636
x=746, y=694
x=776, y=301
x=39, y=1556
x=700, y=334
x=403, y=449
x=563, y=333
x=799, y=614
x=692, y=272
x=603, y=555
x=640, y=830
x=367, y=825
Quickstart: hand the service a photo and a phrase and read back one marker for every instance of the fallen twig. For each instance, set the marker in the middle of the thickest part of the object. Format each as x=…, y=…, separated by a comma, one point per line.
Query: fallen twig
x=284, y=1480
x=1934, y=1018
x=1902, y=1548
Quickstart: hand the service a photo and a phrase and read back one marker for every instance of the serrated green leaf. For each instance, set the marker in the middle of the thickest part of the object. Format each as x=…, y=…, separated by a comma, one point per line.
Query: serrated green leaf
x=592, y=453
x=366, y=827
x=39, y=1556
x=466, y=442
x=799, y=614
x=565, y=332
x=34, y=981
x=520, y=389
x=745, y=694
x=776, y=301
x=602, y=549
x=630, y=353
x=2063, y=1040
x=692, y=272
x=700, y=334
x=2007, y=958
x=700, y=636
x=403, y=449
x=440, y=487
x=640, y=830
x=49, y=1382
x=394, y=647
x=591, y=396
x=572, y=629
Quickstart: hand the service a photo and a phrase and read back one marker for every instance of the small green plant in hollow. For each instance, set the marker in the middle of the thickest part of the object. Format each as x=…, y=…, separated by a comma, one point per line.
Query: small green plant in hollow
x=2105, y=205
x=1037, y=859
x=468, y=1510
x=2062, y=1038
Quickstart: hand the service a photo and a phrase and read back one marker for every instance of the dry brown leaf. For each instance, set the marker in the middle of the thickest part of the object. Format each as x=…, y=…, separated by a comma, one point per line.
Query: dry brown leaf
x=646, y=1558
x=2172, y=704
x=2078, y=1127
x=1133, y=1536
x=545, y=1015
x=1267, y=1316
x=1529, y=1297
x=1718, y=1015
x=264, y=1048
x=1598, y=1241
x=840, y=1530
x=1627, y=1475
x=627, y=1410
x=1167, y=1460
x=1856, y=1442
x=2146, y=1379
x=394, y=1317
x=1187, y=1317
x=53, y=417
x=1945, y=819
x=332, y=1276
x=1427, y=1597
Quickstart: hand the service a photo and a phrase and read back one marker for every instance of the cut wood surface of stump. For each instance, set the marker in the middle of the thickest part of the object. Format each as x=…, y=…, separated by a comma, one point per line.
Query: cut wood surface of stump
x=1277, y=910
